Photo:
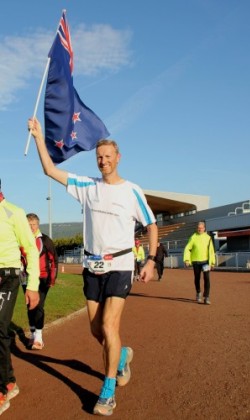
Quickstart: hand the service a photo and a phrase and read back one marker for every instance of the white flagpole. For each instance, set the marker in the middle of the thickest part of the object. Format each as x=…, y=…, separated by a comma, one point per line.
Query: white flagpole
x=49, y=198
x=40, y=92
x=37, y=102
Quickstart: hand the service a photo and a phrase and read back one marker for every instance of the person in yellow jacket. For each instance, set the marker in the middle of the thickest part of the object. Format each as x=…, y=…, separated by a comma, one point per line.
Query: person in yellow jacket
x=14, y=233
x=139, y=255
x=199, y=252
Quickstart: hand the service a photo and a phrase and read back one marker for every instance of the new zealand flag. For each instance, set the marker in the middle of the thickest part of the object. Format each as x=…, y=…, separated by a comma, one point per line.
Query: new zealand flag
x=70, y=126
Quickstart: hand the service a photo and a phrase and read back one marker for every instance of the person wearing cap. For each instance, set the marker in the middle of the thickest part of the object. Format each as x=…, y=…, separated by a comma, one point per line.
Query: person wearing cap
x=15, y=233
x=111, y=205
x=139, y=255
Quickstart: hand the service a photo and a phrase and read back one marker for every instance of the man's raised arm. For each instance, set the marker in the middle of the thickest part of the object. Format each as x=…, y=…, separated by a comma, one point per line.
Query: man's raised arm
x=49, y=168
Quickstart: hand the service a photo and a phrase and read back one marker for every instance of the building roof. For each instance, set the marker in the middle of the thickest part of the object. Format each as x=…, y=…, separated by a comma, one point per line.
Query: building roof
x=174, y=203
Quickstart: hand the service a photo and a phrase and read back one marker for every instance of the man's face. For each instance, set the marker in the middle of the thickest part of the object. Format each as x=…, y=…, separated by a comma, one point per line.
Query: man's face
x=34, y=225
x=201, y=228
x=107, y=159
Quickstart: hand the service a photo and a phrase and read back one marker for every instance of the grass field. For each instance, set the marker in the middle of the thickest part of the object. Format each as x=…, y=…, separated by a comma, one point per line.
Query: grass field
x=63, y=299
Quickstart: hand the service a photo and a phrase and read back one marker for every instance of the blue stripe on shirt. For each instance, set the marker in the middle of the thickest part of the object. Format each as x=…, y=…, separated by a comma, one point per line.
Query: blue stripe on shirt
x=81, y=184
x=143, y=208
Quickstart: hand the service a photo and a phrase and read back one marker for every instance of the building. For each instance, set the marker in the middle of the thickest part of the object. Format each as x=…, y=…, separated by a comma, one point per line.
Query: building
x=229, y=224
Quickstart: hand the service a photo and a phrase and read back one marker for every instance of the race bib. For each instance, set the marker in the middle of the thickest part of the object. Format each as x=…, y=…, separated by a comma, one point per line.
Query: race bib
x=98, y=264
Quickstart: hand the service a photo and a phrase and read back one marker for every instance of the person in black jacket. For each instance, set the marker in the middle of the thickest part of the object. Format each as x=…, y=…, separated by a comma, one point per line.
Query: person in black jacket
x=161, y=252
x=48, y=272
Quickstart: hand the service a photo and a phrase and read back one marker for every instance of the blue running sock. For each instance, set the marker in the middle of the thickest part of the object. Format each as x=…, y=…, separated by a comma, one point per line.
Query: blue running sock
x=123, y=358
x=108, y=388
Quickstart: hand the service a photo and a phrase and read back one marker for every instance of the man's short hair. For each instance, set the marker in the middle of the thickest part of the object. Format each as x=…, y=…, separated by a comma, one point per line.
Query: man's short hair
x=105, y=142
x=32, y=216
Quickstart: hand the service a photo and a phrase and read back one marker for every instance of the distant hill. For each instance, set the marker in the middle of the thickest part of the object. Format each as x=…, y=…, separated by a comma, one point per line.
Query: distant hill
x=63, y=230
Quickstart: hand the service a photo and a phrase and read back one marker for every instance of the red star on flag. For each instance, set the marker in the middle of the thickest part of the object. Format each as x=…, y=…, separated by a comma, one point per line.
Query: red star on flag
x=59, y=143
x=76, y=117
x=73, y=135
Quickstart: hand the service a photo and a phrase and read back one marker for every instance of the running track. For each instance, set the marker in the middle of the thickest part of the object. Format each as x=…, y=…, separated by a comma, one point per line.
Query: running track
x=191, y=361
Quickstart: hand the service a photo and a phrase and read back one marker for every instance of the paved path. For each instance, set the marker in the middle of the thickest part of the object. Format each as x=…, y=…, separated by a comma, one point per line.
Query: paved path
x=191, y=361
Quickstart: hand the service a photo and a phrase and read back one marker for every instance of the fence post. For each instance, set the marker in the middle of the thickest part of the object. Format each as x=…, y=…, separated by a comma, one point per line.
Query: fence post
x=237, y=261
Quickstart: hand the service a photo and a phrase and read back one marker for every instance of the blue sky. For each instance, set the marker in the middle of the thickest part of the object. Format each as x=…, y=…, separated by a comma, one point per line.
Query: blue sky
x=169, y=78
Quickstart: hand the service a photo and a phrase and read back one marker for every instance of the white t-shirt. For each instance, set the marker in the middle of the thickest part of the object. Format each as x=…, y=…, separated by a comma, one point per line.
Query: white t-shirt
x=109, y=215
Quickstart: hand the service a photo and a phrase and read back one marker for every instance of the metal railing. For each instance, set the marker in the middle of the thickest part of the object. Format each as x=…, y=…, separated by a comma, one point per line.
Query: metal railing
x=72, y=256
x=238, y=261
x=245, y=208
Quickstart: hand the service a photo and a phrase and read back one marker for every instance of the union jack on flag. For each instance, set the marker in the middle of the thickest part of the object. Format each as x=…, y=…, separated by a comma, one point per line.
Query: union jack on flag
x=64, y=34
x=70, y=126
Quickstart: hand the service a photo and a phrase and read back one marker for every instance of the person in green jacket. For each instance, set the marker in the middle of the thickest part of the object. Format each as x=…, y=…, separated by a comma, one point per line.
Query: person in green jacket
x=14, y=233
x=139, y=256
x=199, y=252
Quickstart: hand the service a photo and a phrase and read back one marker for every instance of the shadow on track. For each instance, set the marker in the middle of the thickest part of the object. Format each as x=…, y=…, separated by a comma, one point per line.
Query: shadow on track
x=87, y=398
x=179, y=299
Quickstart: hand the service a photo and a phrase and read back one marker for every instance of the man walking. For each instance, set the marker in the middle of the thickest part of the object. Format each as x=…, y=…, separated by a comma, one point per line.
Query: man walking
x=48, y=260
x=161, y=252
x=199, y=252
x=111, y=205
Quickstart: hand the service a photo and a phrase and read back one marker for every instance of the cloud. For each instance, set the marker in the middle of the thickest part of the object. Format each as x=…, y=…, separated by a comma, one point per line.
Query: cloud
x=100, y=47
x=20, y=59
x=97, y=49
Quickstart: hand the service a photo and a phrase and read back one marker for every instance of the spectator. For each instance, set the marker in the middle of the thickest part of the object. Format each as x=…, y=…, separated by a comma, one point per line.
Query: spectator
x=48, y=272
x=161, y=252
x=15, y=233
x=139, y=255
x=199, y=252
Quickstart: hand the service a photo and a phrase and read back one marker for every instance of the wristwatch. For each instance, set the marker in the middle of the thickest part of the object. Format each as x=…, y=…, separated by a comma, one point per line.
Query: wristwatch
x=151, y=257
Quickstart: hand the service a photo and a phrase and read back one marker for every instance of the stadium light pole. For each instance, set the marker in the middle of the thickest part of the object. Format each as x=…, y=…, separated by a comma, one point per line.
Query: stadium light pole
x=49, y=209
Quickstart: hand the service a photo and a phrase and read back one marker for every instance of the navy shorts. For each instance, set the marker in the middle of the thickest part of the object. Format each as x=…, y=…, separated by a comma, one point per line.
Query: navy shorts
x=113, y=283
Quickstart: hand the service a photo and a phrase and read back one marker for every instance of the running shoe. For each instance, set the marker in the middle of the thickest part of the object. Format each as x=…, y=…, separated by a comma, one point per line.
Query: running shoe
x=198, y=297
x=207, y=301
x=13, y=390
x=105, y=406
x=37, y=345
x=4, y=403
x=123, y=376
